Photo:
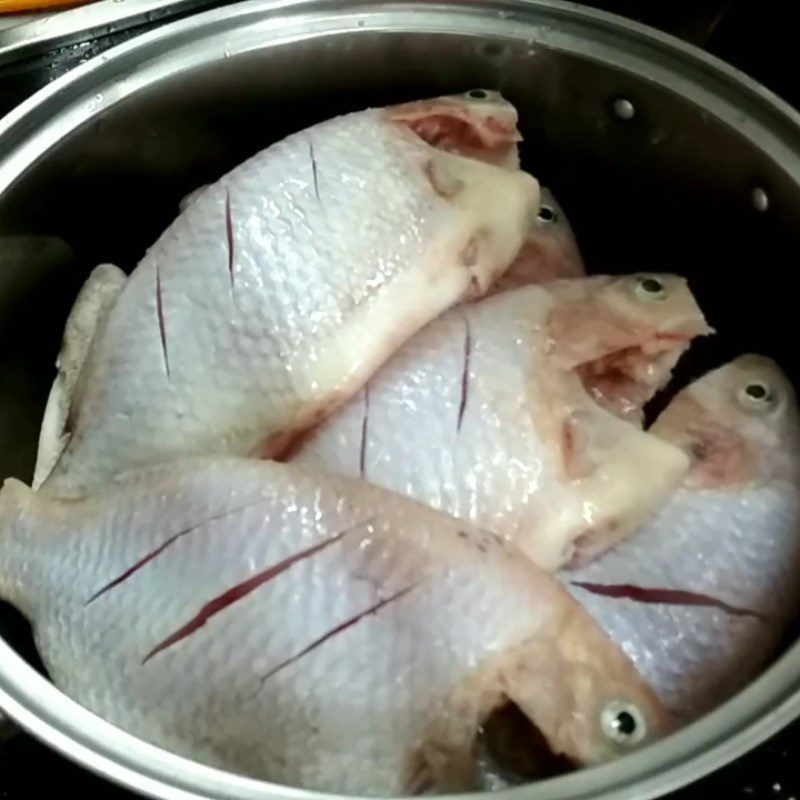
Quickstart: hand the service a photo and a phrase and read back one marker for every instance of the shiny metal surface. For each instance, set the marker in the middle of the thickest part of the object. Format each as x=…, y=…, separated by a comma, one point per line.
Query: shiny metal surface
x=101, y=157
x=13, y=21
x=35, y=32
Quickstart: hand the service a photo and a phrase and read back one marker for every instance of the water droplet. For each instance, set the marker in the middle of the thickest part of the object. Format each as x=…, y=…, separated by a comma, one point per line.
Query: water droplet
x=361, y=23
x=624, y=109
x=760, y=199
x=228, y=54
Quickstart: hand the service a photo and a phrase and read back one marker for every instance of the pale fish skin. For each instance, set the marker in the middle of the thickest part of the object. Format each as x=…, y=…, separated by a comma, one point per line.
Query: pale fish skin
x=267, y=302
x=706, y=589
x=479, y=123
x=94, y=302
x=483, y=414
x=308, y=629
x=550, y=251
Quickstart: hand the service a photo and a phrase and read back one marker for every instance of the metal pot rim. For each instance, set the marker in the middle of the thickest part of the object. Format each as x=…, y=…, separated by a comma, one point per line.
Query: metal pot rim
x=26, y=133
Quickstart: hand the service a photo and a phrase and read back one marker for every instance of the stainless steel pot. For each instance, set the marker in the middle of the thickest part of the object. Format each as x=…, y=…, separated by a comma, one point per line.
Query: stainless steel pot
x=664, y=157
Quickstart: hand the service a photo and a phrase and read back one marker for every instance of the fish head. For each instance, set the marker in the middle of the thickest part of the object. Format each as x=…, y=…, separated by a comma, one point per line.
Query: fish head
x=583, y=697
x=551, y=225
x=737, y=424
x=479, y=123
x=550, y=251
x=614, y=711
x=565, y=698
x=623, y=335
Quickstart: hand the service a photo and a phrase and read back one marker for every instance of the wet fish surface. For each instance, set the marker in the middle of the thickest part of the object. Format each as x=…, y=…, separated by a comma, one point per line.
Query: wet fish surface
x=490, y=413
x=308, y=629
x=701, y=596
x=550, y=250
x=267, y=303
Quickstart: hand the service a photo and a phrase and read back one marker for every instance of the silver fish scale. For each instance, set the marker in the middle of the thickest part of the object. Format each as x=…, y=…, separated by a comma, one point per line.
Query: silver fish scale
x=205, y=355
x=328, y=673
x=739, y=546
x=467, y=416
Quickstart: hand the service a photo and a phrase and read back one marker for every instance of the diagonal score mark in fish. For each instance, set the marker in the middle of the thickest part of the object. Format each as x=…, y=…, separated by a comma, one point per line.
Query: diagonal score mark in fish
x=674, y=597
x=340, y=628
x=314, y=170
x=420, y=782
x=243, y=589
x=229, y=234
x=364, y=434
x=161, y=323
x=465, y=373
x=146, y=559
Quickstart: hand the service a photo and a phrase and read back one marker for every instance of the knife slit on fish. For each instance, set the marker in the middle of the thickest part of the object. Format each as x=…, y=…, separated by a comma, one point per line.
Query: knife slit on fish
x=241, y=590
x=162, y=329
x=229, y=234
x=153, y=554
x=343, y=626
x=314, y=171
x=465, y=373
x=702, y=594
x=672, y=597
x=325, y=292
x=435, y=634
x=362, y=456
x=537, y=476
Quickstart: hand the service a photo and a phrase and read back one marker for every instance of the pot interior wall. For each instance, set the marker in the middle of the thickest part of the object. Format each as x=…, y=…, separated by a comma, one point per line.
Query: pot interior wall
x=668, y=190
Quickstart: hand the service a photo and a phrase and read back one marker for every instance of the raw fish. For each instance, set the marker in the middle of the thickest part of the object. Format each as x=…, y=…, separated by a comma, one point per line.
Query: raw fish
x=550, y=251
x=489, y=413
x=269, y=302
x=308, y=629
x=701, y=595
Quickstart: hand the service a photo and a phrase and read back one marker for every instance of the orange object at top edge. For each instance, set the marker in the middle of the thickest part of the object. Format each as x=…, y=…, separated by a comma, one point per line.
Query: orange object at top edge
x=20, y=6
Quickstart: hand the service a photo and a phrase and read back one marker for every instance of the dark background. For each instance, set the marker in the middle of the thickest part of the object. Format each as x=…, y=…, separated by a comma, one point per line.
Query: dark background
x=759, y=38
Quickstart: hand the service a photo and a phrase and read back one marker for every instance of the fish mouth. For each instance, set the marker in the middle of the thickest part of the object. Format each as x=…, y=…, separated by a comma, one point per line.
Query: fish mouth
x=664, y=596
x=510, y=750
x=625, y=380
x=455, y=129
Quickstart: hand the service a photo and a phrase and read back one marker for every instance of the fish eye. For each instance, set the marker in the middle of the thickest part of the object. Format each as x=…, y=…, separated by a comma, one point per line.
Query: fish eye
x=623, y=723
x=650, y=288
x=757, y=395
x=547, y=214
x=478, y=94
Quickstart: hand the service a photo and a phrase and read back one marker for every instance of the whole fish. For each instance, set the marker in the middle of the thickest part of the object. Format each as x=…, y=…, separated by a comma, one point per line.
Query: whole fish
x=701, y=595
x=550, y=251
x=484, y=414
x=308, y=629
x=267, y=302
